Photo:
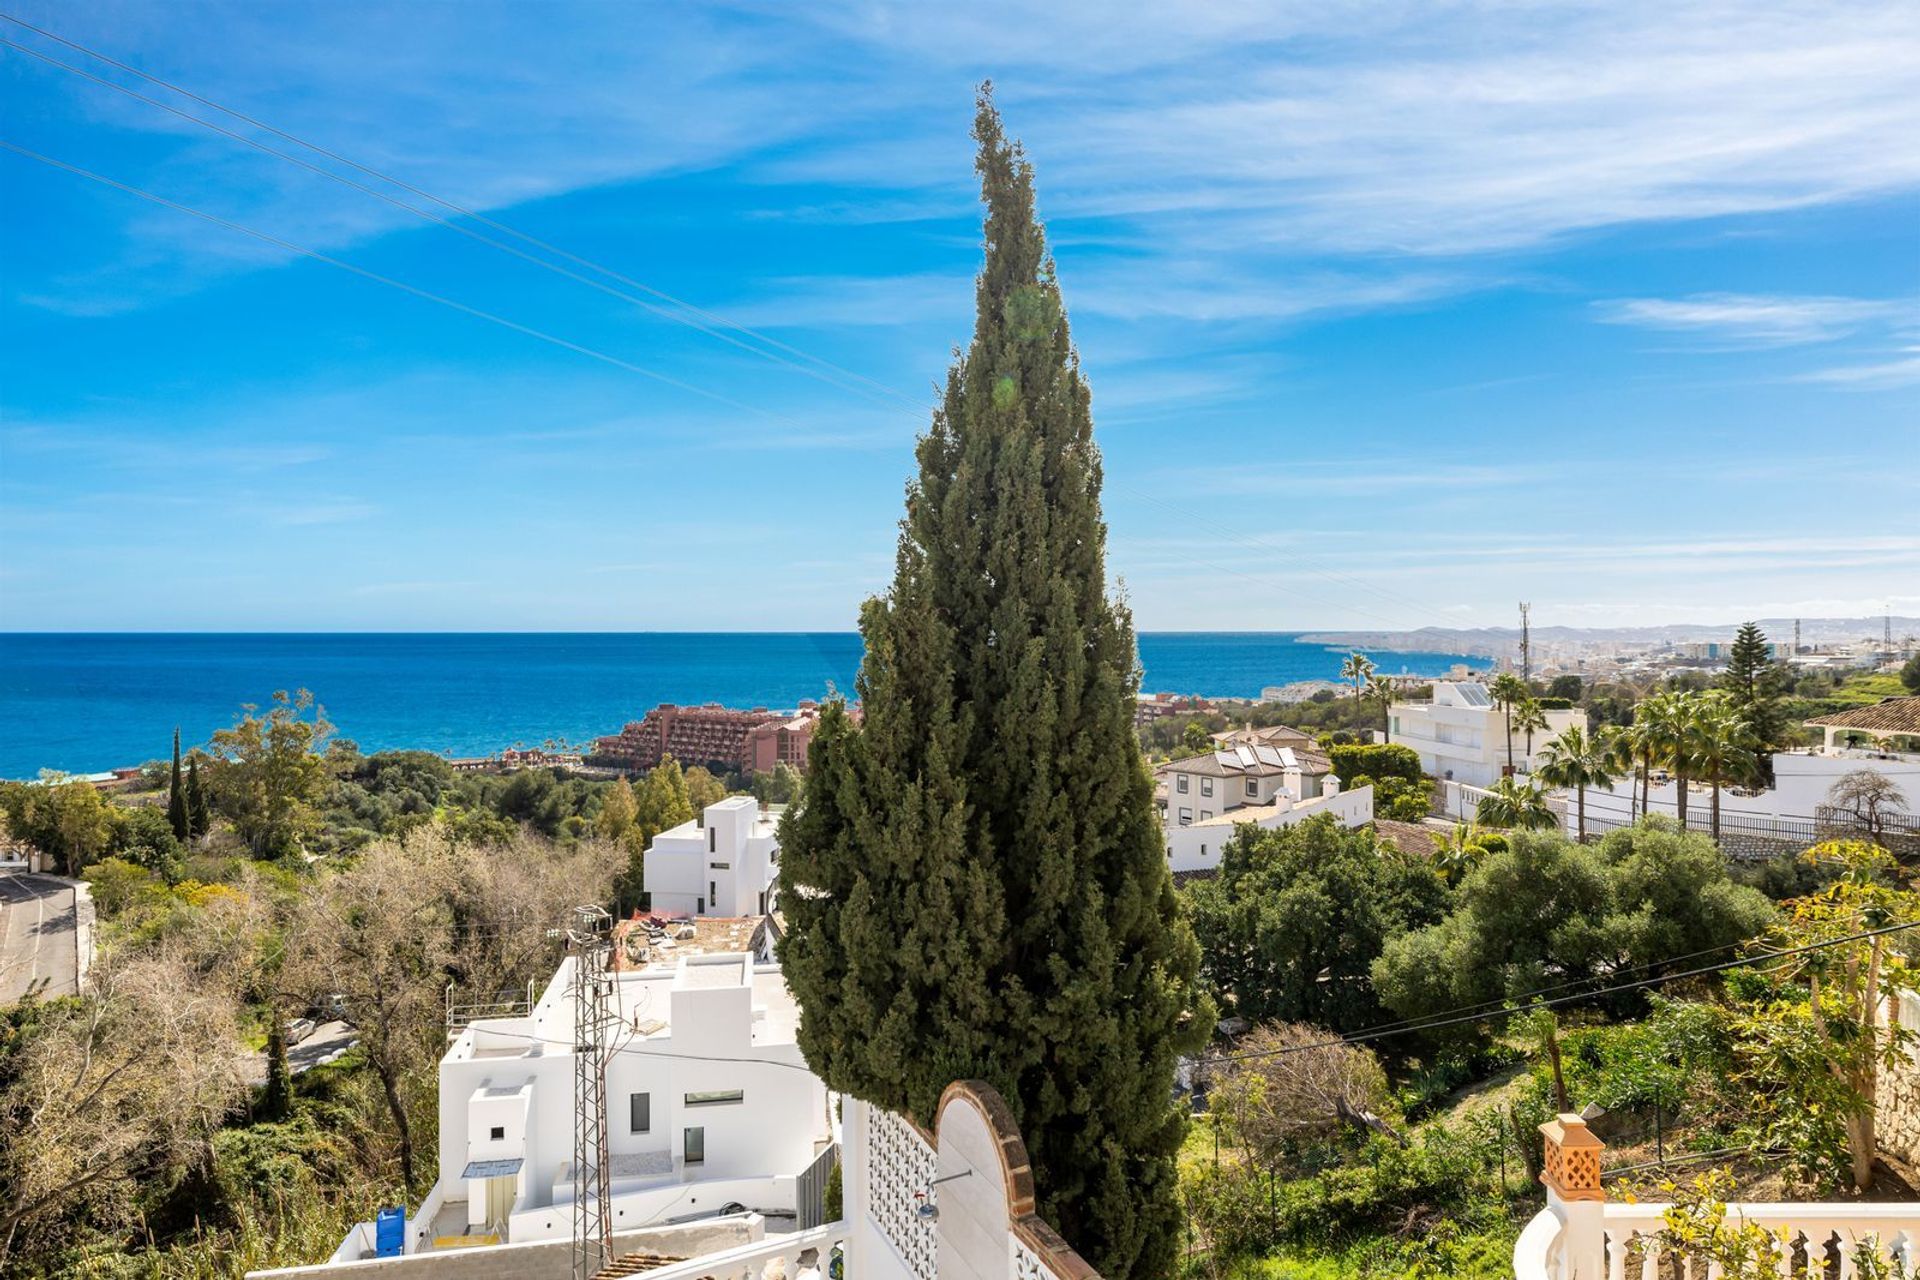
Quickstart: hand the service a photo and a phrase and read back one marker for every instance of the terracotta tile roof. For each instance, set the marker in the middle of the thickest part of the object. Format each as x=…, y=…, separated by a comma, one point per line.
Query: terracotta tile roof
x=1889, y=715
x=1181, y=879
x=1411, y=838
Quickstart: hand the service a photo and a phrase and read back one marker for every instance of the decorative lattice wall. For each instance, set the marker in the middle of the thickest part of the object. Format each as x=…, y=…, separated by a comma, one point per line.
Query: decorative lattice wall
x=899, y=1164
x=1027, y=1264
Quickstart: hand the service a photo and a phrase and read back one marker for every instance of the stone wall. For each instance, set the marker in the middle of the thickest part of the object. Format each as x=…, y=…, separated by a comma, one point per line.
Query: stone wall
x=1897, y=1104
x=541, y=1260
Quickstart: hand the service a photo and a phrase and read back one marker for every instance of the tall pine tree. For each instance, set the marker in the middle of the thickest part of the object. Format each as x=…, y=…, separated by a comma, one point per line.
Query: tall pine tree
x=975, y=881
x=1754, y=683
x=177, y=816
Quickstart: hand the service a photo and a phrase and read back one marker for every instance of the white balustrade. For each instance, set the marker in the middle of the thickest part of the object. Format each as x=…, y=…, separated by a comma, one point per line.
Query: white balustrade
x=1829, y=1236
x=800, y=1255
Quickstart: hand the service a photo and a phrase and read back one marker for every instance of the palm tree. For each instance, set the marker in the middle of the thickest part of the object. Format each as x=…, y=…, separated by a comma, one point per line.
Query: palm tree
x=1671, y=740
x=1635, y=748
x=1529, y=717
x=1577, y=760
x=1358, y=668
x=1457, y=852
x=1380, y=688
x=1511, y=803
x=1509, y=690
x=1727, y=748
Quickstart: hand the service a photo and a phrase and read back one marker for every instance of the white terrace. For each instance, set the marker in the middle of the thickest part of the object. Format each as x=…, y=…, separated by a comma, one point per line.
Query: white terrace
x=1582, y=1235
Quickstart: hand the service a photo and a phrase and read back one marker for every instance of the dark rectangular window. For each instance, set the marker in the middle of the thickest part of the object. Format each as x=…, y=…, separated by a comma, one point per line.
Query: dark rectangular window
x=1180, y=781
x=639, y=1113
x=713, y=840
x=714, y=1098
x=498, y=1133
x=1253, y=788
x=693, y=1146
x=720, y=866
x=699, y=906
x=1206, y=786
x=713, y=894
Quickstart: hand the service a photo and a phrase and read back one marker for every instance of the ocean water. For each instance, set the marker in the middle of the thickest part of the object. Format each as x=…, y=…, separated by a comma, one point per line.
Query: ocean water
x=84, y=703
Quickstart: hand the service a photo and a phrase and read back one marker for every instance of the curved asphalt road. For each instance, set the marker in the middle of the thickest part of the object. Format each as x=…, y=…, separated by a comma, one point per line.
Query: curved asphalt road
x=36, y=936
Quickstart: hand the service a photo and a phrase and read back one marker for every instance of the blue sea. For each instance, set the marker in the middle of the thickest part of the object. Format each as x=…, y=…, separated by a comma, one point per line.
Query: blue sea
x=84, y=703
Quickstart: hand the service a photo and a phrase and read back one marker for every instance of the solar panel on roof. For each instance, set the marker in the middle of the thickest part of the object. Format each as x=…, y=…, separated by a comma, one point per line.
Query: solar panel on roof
x=1246, y=757
x=1475, y=695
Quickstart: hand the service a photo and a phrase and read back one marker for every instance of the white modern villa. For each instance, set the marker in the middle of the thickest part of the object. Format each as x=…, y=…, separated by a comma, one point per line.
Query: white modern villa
x=722, y=863
x=1461, y=736
x=711, y=1108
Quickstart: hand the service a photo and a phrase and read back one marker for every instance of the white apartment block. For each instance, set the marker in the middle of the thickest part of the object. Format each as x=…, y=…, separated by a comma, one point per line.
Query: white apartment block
x=723, y=863
x=1197, y=847
x=711, y=1109
x=1204, y=787
x=1461, y=736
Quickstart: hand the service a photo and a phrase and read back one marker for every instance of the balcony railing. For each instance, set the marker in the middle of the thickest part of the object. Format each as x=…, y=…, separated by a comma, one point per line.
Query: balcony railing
x=1581, y=1235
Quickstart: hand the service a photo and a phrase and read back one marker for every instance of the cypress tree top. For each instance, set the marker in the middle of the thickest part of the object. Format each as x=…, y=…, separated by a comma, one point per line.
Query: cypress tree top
x=975, y=881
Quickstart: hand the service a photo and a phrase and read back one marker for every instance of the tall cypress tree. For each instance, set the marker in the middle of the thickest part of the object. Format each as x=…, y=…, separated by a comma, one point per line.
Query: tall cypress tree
x=199, y=809
x=177, y=796
x=975, y=882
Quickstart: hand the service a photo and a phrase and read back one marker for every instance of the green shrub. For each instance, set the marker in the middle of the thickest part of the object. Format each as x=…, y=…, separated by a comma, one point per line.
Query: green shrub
x=1376, y=760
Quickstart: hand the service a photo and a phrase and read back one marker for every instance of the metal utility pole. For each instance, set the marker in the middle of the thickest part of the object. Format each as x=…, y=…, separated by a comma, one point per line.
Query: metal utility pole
x=1526, y=643
x=590, y=939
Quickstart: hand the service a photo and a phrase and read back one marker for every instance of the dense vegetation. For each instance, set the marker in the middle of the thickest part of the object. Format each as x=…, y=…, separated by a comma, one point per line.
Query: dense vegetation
x=151, y=1126
x=1414, y=1152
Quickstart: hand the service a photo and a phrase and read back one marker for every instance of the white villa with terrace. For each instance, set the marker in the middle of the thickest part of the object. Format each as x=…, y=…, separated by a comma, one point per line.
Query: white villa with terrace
x=1461, y=736
x=711, y=1108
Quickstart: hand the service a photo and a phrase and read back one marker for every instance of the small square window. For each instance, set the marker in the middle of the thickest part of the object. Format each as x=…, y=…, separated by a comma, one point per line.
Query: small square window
x=498, y=1133
x=1186, y=816
x=1253, y=788
x=1206, y=786
x=1205, y=814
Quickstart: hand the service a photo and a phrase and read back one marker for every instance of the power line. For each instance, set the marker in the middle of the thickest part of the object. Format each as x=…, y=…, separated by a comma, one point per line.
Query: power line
x=1441, y=1020
x=427, y=295
x=457, y=209
x=712, y=318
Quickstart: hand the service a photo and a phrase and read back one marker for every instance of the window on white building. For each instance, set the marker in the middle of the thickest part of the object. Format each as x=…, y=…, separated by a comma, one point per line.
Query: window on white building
x=1180, y=783
x=1253, y=788
x=498, y=1133
x=1186, y=816
x=1206, y=786
x=713, y=840
x=720, y=866
x=639, y=1113
x=1205, y=814
x=715, y=1098
x=693, y=1146
x=713, y=892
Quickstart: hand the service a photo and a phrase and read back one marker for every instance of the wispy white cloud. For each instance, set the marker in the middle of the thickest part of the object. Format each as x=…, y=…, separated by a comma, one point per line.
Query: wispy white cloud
x=1879, y=375
x=1755, y=320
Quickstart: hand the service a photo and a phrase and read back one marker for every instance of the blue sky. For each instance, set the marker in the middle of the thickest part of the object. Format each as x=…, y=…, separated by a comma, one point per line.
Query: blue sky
x=1394, y=315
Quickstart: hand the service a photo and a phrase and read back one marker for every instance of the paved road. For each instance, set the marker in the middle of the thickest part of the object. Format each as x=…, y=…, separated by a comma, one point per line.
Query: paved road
x=328, y=1041
x=36, y=936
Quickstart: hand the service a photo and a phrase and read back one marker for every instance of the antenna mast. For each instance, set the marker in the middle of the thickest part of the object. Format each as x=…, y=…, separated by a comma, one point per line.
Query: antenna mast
x=589, y=938
x=1526, y=643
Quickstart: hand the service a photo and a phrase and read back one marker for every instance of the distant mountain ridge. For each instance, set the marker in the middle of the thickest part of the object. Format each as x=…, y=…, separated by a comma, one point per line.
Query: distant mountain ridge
x=1504, y=642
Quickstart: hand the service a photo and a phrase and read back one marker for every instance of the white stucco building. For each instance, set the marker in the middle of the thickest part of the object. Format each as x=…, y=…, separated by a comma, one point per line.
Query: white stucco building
x=1197, y=847
x=710, y=1107
x=1461, y=736
x=1207, y=786
x=723, y=863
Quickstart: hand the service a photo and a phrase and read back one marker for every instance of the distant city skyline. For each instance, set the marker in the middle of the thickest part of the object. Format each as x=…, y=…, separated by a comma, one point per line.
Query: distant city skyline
x=1389, y=323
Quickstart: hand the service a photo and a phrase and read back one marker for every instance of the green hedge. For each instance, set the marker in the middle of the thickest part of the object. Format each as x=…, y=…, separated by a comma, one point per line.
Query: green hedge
x=1375, y=760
